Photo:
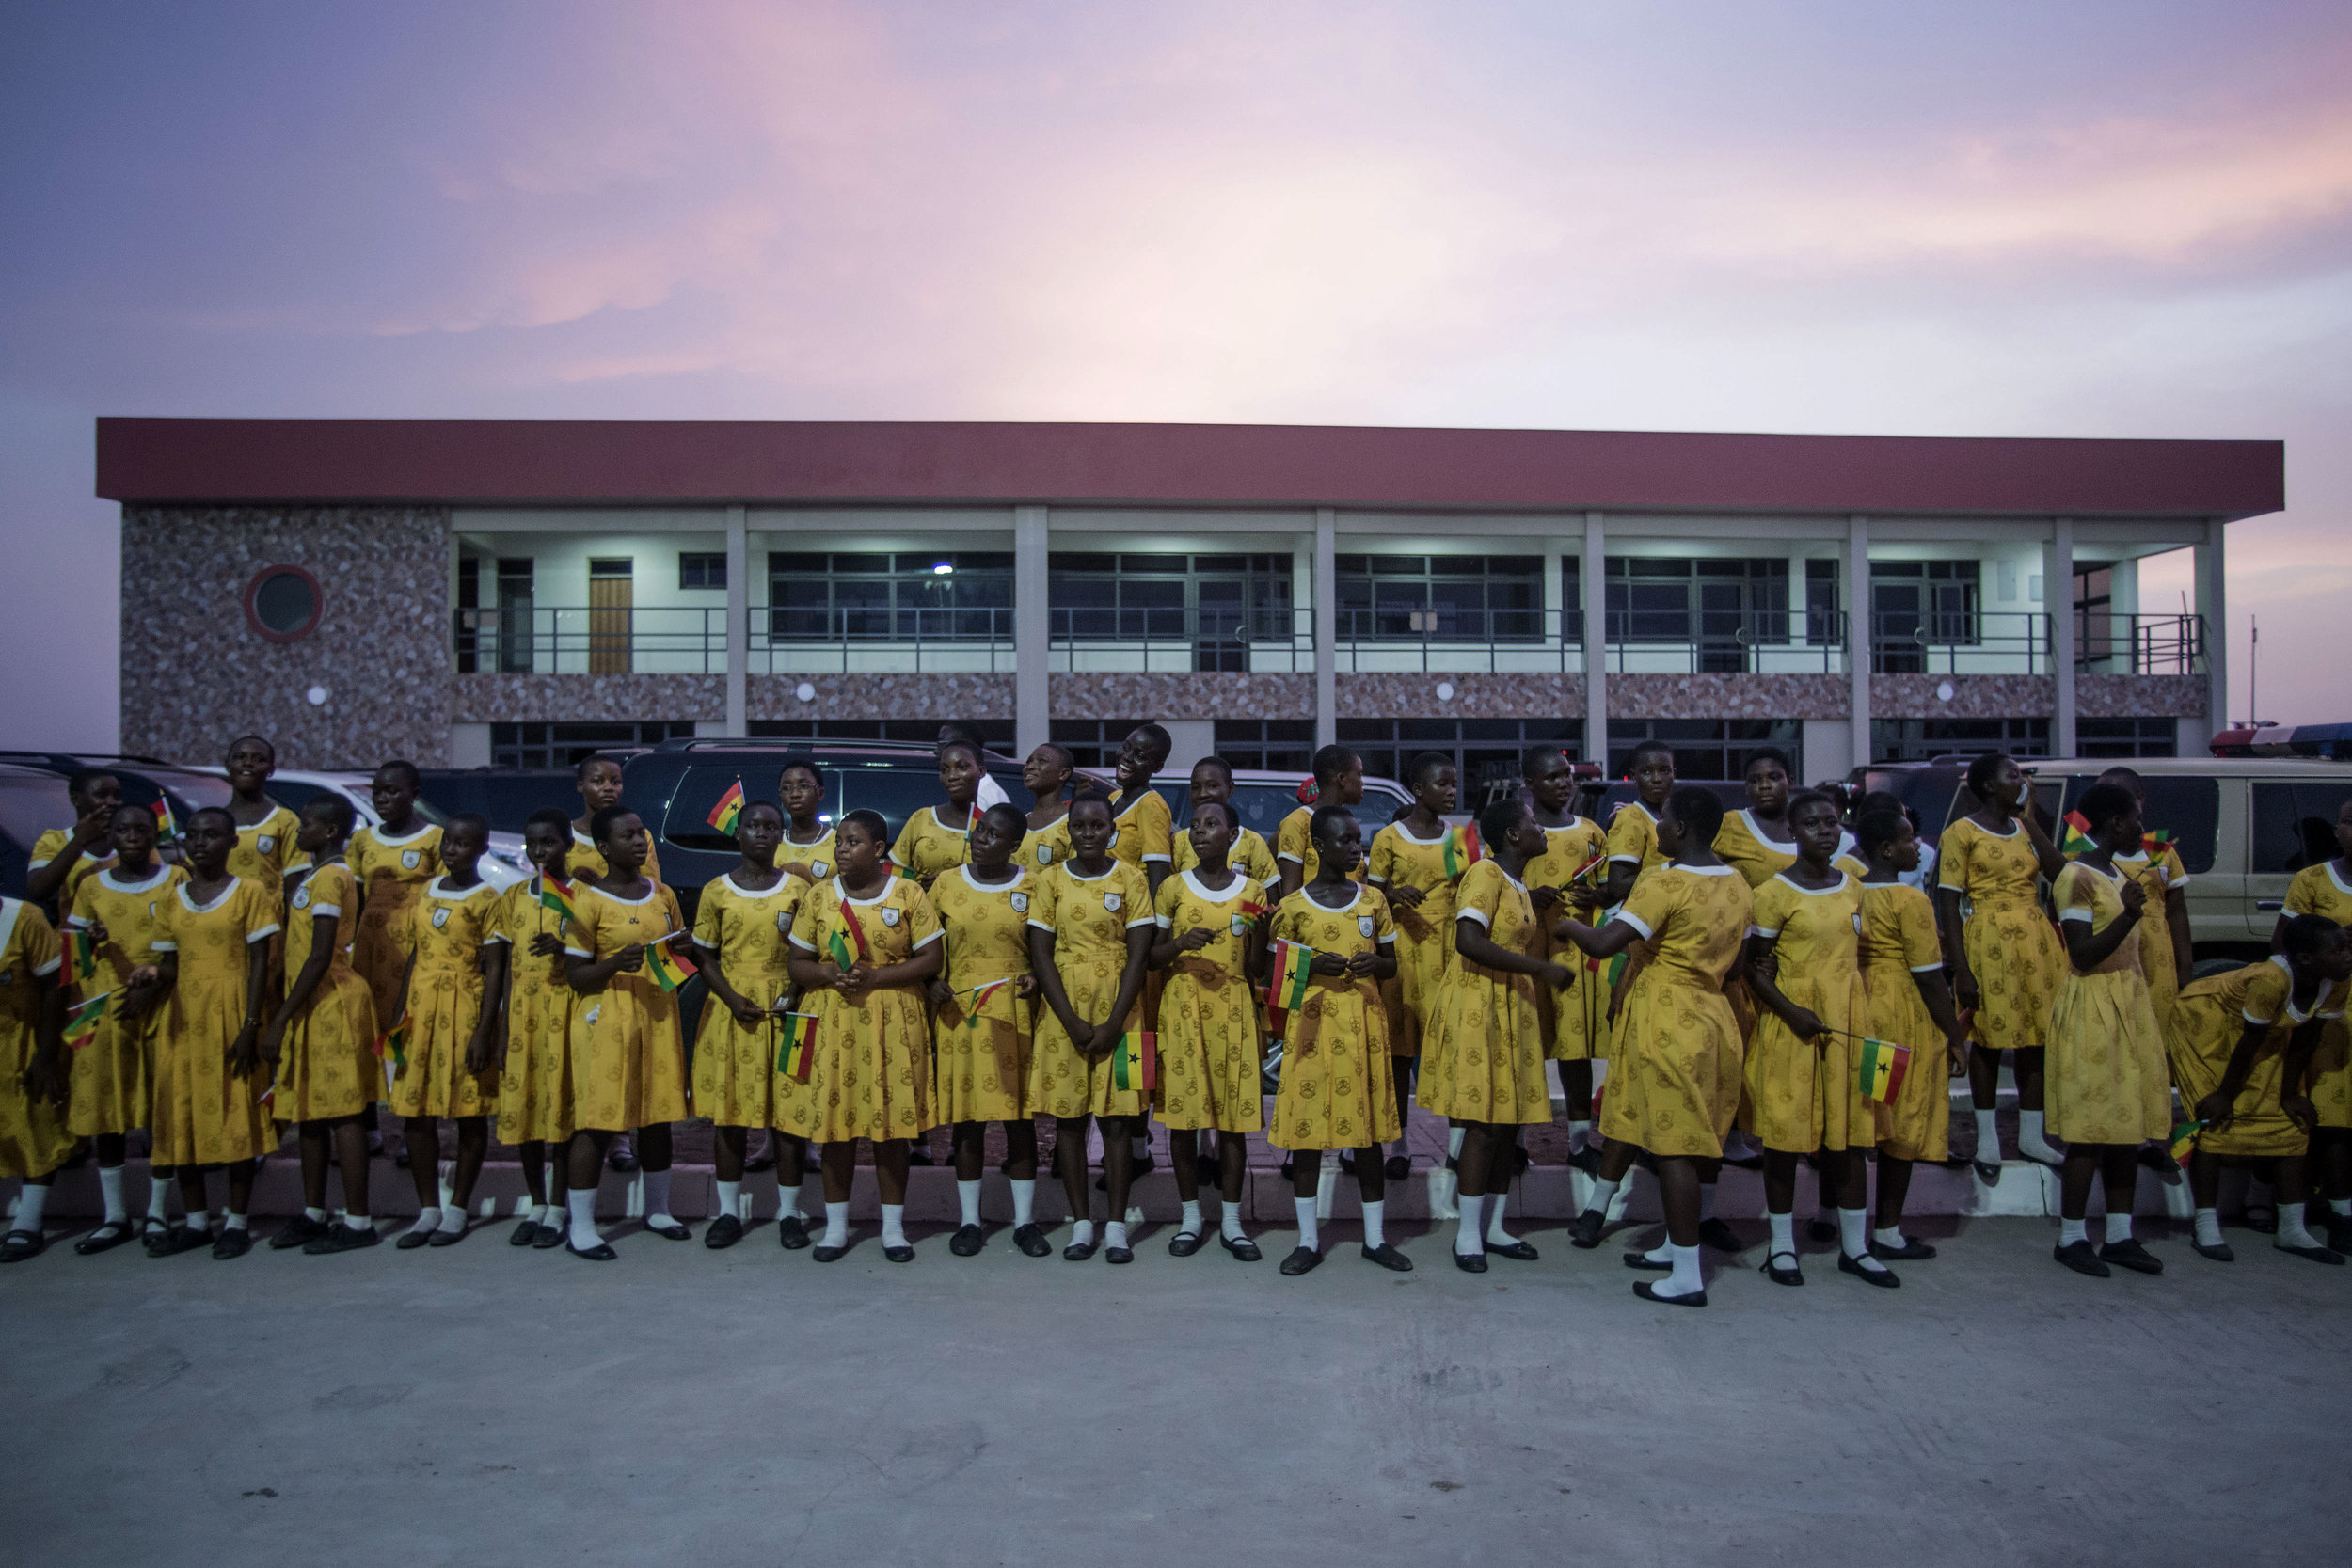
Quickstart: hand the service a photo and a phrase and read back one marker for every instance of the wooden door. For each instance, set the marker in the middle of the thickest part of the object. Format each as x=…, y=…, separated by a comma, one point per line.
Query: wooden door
x=610, y=596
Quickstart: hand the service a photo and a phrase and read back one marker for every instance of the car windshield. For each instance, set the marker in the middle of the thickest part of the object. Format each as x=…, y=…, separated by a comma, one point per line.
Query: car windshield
x=31, y=804
x=897, y=789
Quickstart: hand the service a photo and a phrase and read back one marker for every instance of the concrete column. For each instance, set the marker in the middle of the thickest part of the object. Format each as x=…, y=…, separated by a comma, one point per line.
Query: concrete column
x=2057, y=598
x=1595, y=587
x=2212, y=604
x=1327, y=626
x=739, y=622
x=1031, y=629
x=1858, y=635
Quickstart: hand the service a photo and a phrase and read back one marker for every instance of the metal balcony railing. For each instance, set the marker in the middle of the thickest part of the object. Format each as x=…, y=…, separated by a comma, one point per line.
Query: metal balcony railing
x=564, y=639
x=1961, y=643
x=2109, y=643
x=1766, y=641
x=855, y=639
x=1279, y=639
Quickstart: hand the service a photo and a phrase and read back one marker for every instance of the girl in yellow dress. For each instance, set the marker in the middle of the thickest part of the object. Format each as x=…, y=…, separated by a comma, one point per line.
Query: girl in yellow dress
x=1908, y=1003
x=1144, y=827
x=862, y=945
x=938, y=837
x=457, y=967
x=983, y=1021
x=34, y=1141
x=321, y=1038
x=2108, y=1089
x=110, y=1087
x=393, y=857
x=742, y=925
x=627, y=1060
x=1090, y=931
x=1482, y=1062
x=1633, y=853
x=63, y=857
x=1801, y=967
x=1213, y=781
x=2326, y=889
x=534, y=1114
x=1339, y=775
x=1576, y=1020
x=1212, y=920
x=212, y=963
x=265, y=829
x=1046, y=776
x=1416, y=866
x=806, y=850
x=2165, y=952
x=1674, y=1082
x=1337, y=1091
x=2241, y=1046
x=598, y=781
x=2004, y=957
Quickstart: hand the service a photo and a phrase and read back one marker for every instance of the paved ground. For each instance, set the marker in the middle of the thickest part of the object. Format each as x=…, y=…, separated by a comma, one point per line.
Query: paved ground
x=749, y=1407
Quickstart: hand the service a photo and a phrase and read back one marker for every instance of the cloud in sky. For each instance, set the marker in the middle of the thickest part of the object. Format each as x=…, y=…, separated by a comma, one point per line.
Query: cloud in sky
x=2127, y=219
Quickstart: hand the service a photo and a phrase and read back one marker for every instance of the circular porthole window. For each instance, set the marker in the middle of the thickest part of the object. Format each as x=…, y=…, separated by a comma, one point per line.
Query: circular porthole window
x=283, y=602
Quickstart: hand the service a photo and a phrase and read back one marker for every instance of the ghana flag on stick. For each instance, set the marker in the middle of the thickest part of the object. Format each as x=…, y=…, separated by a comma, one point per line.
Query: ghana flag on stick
x=166, y=825
x=796, y=1044
x=1136, y=1065
x=2182, y=1142
x=1881, y=1070
x=980, y=994
x=1293, y=961
x=2078, y=840
x=669, y=970
x=556, y=896
x=81, y=956
x=393, y=1042
x=730, y=806
x=2155, y=843
x=847, y=941
x=1462, y=849
x=1600, y=858
x=81, y=1024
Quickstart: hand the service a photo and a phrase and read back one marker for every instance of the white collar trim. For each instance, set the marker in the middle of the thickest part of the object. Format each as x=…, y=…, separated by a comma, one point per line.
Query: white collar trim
x=187, y=900
x=1700, y=870
x=110, y=881
x=976, y=886
x=1239, y=884
x=375, y=831
x=1838, y=886
x=757, y=893
x=842, y=893
x=437, y=888
x=1407, y=833
x=1322, y=908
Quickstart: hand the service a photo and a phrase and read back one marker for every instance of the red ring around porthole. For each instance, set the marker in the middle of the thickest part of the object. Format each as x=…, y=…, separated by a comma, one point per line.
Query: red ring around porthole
x=282, y=604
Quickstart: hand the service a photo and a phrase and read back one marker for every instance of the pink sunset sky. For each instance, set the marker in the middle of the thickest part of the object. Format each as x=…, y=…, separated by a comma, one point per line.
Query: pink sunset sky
x=2129, y=219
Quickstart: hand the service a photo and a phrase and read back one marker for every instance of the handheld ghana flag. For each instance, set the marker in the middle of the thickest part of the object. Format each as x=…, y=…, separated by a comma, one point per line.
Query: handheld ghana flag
x=556, y=896
x=80, y=954
x=166, y=825
x=669, y=970
x=2155, y=843
x=730, y=806
x=980, y=994
x=796, y=1044
x=1599, y=860
x=81, y=1024
x=393, y=1042
x=1287, y=990
x=1880, y=1070
x=2078, y=840
x=1136, y=1064
x=847, y=941
x=1463, y=849
x=1615, y=968
x=2182, y=1142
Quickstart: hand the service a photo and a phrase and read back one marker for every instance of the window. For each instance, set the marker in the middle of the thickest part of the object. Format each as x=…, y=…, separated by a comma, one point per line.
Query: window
x=1441, y=598
x=702, y=569
x=282, y=604
x=1915, y=604
x=1093, y=742
x=1722, y=607
x=469, y=614
x=1822, y=624
x=932, y=596
x=1284, y=745
x=1924, y=740
x=995, y=734
x=1485, y=752
x=2127, y=738
x=1704, y=747
x=2294, y=824
x=565, y=745
x=2187, y=807
x=514, y=613
x=1220, y=604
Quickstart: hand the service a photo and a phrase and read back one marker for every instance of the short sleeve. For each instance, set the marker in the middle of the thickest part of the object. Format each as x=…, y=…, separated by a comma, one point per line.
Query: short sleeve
x=84, y=911
x=1290, y=842
x=1951, y=858
x=1914, y=922
x=1164, y=903
x=1383, y=919
x=260, y=913
x=583, y=931
x=1769, y=910
x=1624, y=841
x=923, y=927
x=1649, y=906
x=1042, y=901
x=43, y=953
x=2175, y=869
x=1382, y=862
x=1479, y=895
x=1134, y=893
x=707, y=918
x=46, y=848
x=910, y=839
x=1157, y=824
x=803, y=933
x=2268, y=994
x=2075, y=895
x=1286, y=924
x=2303, y=893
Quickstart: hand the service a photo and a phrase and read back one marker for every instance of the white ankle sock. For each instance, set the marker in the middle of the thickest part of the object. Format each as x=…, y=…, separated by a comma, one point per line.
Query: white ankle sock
x=31, y=1204
x=1229, y=1223
x=1467, y=1241
x=158, y=1200
x=2119, y=1226
x=968, y=1200
x=361, y=1222
x=198, y=1219
x=1580, y=1135
x=316, y=1217
x=836, y=1224
x=730, y=1200
x=1890, y=1237
x=110, y=1188
x=581, y=1204
x=1308, y=1236
x=427, y=1220
x=1989, y=1137
x=453, y=1217
x=2071, y=1231
x=1024, y=1202
x=1454, y=1143
x=1496, y=1235
x=2340, y=1207
x=2208, y=1227
x=1853, y=1235
x=657, y=1199
x=1190, y=1223
x=894, y=1218
x=1784, y=1232
x=1604, y=1193
x=1081, y=1232
x=1706, y=1201
x=1114, y=1233
x=1662, y=1253
x=227, y=1221
x=1686, y=1280
x=1377, y=1223
x=2029, y=1138
x=2293, y=1231
x=787, y=1200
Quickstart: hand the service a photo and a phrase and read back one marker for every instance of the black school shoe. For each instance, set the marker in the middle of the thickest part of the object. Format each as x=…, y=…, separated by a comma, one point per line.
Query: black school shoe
x=2129, y=1254
x=967, y=1241
x=233, y=1243
x=1184, y=1243
x=107, y=1237
x=550, y=1236
x=1792, y=1274
x=1119, y=1255
x=442, y=1237
x=792, y=1232
x=342, y=1238
x=301, y=1230
x=2317, y=1254
x=1584, y=1231
x=1884, y=1278
x=1078, y=1252
x=1912, y=1251
x=1302, y=1261
x=1518, y=1252
x=1400, y=1167
x=1030, y=1239
x=17, y=1245
x=602, y=1253
x=1245, y=1250
x=672, y=1232
x=725, y=1231
x=1471, y=1262
x=2081, y=1258
x=2219, y=1252
x=1642, y=1288
x=1717, y=1234
x=179, y=1239
x=524, y=1233
x=1643, y=1260
x=1388, y=1257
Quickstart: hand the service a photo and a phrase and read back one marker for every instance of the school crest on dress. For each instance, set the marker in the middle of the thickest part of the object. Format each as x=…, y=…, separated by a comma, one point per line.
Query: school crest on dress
x=1363, y=926
x=440, y=918
x=1044, y=854
x=266, y=843
x=411, y=859
x=1020, y=903
x=890, y=915
x=302, y=899
x=1110, y=902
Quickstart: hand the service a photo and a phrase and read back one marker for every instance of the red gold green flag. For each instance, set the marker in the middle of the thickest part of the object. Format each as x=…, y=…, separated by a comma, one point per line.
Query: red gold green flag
x=2078, y=840
x=81, y=956
x=1136, y=1065
x=1293, y=961
x=1881, y=1069
x=81, y=1024
x=1462, y=849
x=669, y=970
x=847, y=941
x=166, y=826
x=980, y=994
x=556, y=896
x=2182, y=1142
x=796, y=1045
x=730, y=806
x=393, y=1042
x=2155, y=843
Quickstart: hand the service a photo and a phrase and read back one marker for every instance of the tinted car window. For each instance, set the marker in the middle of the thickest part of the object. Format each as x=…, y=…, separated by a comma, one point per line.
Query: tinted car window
x=30, y=805
x=506, y=795
x=2294, y=824
x=897, y=790
x=2188, y=808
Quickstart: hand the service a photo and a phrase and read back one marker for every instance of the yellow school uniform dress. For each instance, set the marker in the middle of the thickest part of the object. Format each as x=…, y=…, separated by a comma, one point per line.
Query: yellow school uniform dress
x=870, y=1068
x=627, y=1059
x=929, y=844
x=2157, y=869
x=587, y=863
x=1633, y=839
x=1250, y=856
x=2016, y=958
x=1801, y=1093
x=745, y=932
x=1483, y=1059
x=112, y=1078
x=203, y=1116
x=1293, y=842
x=450, y=931
x=1337, y=1090
x=2106, y=1080
x=1898, y=944
x=1090, y=917
x=1674, y=1081
x=1209, y=1040
x=2206, y=1026
x=1424, y=947
x=1575, y=1021
x=33, y=1138
x=982, y=1048
x=392, y=873
x=1144, y=827
x=266, y=849
x=2321, y=890
x=535, y=1080
x=1047, y=847
x=327, y=1063
x=51, y=844
x=819, y=857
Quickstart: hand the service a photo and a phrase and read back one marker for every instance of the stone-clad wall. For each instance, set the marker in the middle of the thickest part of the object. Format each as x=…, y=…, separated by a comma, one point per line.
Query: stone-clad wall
x=491, y=699
x=1470, y=696
x=1202, y=695
x=194, y=675
x=876, y=696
